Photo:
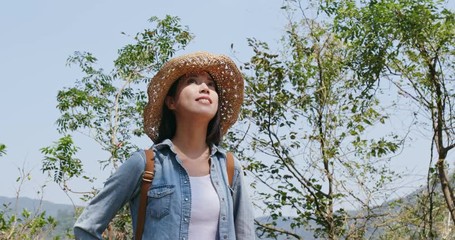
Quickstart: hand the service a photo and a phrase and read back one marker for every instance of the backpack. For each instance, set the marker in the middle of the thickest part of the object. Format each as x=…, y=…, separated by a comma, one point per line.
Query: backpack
x=147, y=179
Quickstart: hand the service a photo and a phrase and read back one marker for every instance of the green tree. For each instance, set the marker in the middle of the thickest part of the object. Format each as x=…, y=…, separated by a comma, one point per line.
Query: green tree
x=59, y=161
x=108, y=106
x=2, y=149
x=411, y=44
x=308, y=142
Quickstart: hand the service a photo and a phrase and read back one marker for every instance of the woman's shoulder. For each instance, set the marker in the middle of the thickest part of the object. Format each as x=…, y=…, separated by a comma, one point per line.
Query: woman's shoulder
x=229, y=154
x=136, y=161
x=138, y=156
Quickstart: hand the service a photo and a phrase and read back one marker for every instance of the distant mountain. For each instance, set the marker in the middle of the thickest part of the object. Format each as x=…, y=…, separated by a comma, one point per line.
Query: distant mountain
x=52, y=209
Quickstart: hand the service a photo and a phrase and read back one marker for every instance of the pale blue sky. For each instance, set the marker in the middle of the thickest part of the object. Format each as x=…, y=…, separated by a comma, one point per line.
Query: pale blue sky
x=38, y=36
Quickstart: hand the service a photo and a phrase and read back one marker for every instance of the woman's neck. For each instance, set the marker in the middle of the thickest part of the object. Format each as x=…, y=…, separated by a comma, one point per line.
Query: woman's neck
x=190, y=138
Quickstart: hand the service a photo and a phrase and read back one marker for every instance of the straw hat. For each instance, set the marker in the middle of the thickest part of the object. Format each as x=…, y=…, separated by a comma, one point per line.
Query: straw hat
x=224, y=72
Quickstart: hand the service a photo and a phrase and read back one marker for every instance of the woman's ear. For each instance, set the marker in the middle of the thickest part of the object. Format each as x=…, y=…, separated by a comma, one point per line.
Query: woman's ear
x=170, y=102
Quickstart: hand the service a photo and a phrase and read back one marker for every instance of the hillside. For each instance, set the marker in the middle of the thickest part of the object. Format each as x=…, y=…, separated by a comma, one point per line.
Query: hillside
x=52, y=209
x=63, y=213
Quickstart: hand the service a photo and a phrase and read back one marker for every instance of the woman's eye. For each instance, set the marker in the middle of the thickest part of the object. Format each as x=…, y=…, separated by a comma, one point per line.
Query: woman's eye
x=191, y=81
x=211, y=84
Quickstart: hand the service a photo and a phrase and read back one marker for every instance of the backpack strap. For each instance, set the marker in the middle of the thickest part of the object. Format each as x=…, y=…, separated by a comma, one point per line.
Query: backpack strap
x=147, y=179
x=230, y=167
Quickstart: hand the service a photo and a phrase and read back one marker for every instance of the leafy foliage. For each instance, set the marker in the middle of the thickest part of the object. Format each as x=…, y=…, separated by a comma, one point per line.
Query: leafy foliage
x=19, y=222
x=25, y=225
x=2, y=149
x=411, y=44
x=59, y=160
x=309, y=144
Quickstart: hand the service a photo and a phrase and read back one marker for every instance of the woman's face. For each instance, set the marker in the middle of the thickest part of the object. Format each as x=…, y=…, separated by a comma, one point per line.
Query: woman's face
x=196, y=96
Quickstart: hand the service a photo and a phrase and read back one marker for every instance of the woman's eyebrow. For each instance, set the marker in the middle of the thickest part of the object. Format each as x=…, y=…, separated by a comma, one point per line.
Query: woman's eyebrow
x=191, y=76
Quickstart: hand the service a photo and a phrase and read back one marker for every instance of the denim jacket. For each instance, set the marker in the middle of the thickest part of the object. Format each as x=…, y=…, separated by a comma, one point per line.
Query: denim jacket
x=169, y=198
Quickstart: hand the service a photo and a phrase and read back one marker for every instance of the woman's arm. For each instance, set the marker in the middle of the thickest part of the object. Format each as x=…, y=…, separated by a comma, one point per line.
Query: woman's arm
x=118, y=190
x=243, y=209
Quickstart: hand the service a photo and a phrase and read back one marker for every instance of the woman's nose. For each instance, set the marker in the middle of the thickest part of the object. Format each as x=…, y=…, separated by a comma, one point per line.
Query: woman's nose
x=204, y=88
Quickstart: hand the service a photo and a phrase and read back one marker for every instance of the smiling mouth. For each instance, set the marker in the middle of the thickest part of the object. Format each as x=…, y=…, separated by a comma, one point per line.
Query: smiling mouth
x=204, y=100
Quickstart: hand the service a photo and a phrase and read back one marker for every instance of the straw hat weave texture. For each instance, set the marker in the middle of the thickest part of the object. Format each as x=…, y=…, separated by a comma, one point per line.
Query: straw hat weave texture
x=224, y=72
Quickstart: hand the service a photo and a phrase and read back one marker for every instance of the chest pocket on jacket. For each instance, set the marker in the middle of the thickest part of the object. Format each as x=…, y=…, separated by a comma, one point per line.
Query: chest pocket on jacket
x=159, y=200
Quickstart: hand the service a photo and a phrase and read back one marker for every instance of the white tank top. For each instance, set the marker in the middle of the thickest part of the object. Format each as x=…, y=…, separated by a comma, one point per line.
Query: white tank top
x=205, y=209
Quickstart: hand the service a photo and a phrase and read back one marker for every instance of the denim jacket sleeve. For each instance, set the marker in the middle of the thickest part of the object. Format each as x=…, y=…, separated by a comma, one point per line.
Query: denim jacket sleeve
x=118, y=190
x=243, y=210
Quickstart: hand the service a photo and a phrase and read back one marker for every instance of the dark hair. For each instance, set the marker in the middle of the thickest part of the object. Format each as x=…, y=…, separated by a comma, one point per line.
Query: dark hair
x=168, y=123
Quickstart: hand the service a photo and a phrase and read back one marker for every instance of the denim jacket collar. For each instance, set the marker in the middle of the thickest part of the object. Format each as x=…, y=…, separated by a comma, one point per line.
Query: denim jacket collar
x=168, y=144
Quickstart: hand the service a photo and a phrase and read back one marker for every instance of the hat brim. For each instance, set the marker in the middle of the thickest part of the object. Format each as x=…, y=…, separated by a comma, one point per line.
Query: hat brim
x=224, y=72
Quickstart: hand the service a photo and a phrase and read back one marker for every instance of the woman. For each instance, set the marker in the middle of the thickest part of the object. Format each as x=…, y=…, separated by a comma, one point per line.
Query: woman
x=193, y=100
